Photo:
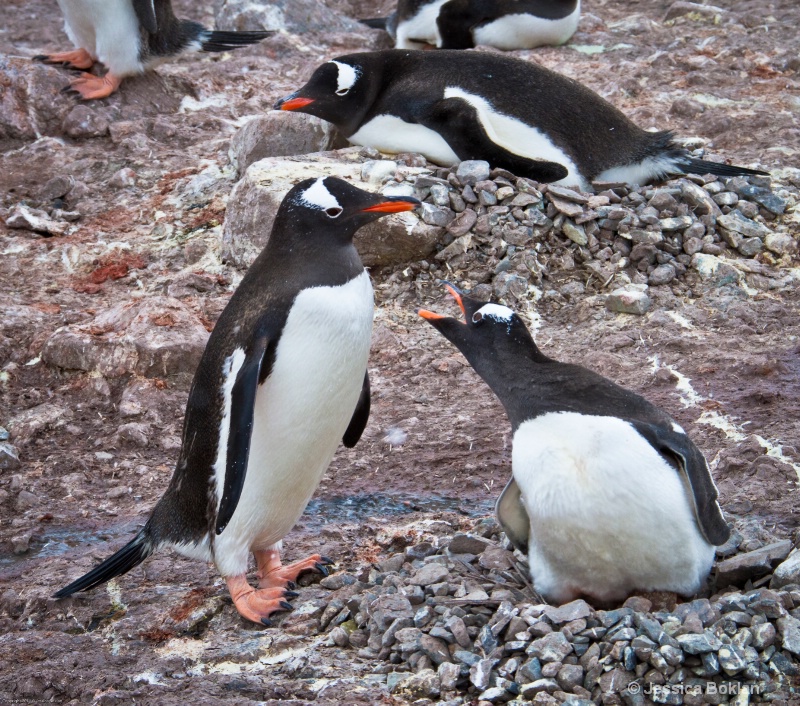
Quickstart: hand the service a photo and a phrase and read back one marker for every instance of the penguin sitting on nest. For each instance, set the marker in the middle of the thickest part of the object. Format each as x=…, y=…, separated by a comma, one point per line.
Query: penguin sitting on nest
x=463, y=24
x=282, y=380
x=129, y=37
x=609, y=495
x=452, y=106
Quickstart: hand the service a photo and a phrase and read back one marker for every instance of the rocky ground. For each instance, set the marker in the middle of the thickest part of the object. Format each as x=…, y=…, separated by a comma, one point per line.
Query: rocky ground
x=127, y=225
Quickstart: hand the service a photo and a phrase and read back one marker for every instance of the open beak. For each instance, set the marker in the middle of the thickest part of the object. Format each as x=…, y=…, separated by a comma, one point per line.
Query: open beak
x=429, y=315
x=455, y=293
x=292, y=103
x=394, y=206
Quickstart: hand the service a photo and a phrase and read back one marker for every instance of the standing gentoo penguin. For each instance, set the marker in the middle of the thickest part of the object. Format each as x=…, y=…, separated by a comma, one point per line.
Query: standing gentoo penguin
x=282, y=380
x=462, y=24
x=129, y=37
x=608, y=494
x=457, y=105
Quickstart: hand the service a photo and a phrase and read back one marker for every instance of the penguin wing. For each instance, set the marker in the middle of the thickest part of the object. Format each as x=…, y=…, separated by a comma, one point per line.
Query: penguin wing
x=146, y=14
x=459, y=123
x=692, y=464
x=243, y=399
x=513, y=516
x=360, y=416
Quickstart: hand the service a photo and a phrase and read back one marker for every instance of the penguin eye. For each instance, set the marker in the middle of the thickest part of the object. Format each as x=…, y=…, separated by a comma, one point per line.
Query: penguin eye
x=477, y=317
x=342, y=91
x=333, y=212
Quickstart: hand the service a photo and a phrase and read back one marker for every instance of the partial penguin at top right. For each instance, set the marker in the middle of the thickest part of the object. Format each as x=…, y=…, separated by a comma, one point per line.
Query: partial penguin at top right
x=609, y=495
x=463, y=24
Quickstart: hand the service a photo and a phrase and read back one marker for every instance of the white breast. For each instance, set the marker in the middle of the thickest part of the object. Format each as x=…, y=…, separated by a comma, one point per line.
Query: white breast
x=526, y=31
x=422, y=28
x=608, y=515
x=518, y=137
x=388, y=133
x=301, y=413
x=108, y=30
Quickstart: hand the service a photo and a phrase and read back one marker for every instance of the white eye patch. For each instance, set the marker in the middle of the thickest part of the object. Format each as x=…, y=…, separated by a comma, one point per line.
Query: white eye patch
x=317, y=196
x=346, y=77
x=493, y=311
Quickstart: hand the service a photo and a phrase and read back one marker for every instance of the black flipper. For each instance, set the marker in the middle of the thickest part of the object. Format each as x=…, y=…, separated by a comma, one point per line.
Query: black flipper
x=146, y=14
x=457, y=121
x=513, y=516
x=243, y=399
x=132, y=554
x=455, y=22
x=358, y=422
x=693, y=465
x=690, y=165
x=218, y=40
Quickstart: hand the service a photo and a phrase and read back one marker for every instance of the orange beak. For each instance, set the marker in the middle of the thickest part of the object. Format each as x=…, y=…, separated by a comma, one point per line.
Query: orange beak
x=296, y=103
x=391, y=207
x=457, y=297
x=429, y=315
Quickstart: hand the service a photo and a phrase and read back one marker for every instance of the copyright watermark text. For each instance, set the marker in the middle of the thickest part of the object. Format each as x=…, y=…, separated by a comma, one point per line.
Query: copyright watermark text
x=659, y=692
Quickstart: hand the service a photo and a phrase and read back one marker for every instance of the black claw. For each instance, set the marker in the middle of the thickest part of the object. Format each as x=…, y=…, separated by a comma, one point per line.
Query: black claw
x=321, y=568
x=67, y=89
x=291, y=585
x=286, y=606
x=267, y=622
x=290, y=594
x=325, y=561
x=40, y=57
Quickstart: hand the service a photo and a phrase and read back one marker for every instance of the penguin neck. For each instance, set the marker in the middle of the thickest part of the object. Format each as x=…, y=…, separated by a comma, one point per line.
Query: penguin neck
x=308, y=260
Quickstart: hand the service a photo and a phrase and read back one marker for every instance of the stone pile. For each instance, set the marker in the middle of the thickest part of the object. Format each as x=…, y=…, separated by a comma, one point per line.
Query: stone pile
x=455, y=620
x=514, y=238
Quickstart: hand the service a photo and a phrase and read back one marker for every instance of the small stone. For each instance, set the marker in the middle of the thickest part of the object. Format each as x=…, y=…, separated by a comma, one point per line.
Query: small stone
x=763, y=635
x=493, y=694
x=786, y=572
x=576, y=233
x=472, y=171
x=26, y=500
x=781, y=243
x=789, y=630
x=462, y=223
x=550, y=648
x=751, y=565
x=497, y=558
x=467, y=544
x=625, y=301
x=731, y=659
x=570, y=676
x=21, y=543
x=750, y=247
x=85, y=121
x=480, y=672
x=698, y=644
x=699, y=199
x=423, y=684
x=449, y=675
x=528, y=691
x=678, y=223
x=458, y=628
x=23, y=217
x=9, y=456
x=429, y=574
x=123, y=178
x=434, y=648
x=377, y=171
x=568, y=612
x=662, y=274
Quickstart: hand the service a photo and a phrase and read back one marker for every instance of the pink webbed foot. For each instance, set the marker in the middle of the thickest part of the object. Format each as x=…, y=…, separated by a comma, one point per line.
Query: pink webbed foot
x=91, y=87
x=273, y=574
x=257, y=605
x=77, y=59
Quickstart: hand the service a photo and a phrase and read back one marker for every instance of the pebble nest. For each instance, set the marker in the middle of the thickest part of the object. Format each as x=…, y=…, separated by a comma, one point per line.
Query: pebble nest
x=513, y=239
x=455, y=619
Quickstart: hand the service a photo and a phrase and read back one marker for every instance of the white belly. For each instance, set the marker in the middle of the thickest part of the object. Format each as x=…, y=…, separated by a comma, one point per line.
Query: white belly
x=608, y=515
x=420, y=29
x=526, y=31
x=107, y=29
x=301, y=413
x=393, y=135
x=517, y=137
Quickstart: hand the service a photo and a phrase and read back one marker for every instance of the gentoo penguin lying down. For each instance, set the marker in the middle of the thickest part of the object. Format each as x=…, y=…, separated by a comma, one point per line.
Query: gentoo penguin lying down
x=129, y=37
x=457, y=105
x=462, y=24
x=608, y=494
x=282, y=380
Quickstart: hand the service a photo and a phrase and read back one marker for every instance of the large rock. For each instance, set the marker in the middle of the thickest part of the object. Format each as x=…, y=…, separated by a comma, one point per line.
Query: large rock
x=279, y=133
x=752, y=565
x=395, y=239
x=154, y=337
x=295, y=16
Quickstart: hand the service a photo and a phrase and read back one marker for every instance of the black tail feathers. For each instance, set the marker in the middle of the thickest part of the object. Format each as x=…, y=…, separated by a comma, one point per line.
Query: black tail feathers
x=375, y=22
x=690, y=165
x=221, y=40
x=132, y=554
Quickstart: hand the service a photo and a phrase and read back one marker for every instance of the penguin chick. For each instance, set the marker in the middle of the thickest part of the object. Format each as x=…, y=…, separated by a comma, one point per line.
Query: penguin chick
x=282, y=379
x=463, y=24
x=458, y=105
x=608, y=495
x=130, y=37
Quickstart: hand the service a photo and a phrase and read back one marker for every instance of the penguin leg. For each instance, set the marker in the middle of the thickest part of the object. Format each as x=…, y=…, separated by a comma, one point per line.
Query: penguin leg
x=77, y=59
x=257, y=604
x=91, y=87
x=272, y=573
x=459, y=123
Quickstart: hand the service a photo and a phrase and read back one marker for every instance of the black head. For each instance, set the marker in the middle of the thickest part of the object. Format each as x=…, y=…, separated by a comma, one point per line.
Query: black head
x=333, y=210
x=340, y=91
x=491, y=334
